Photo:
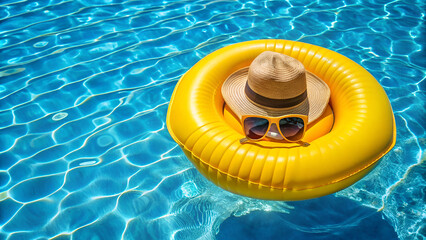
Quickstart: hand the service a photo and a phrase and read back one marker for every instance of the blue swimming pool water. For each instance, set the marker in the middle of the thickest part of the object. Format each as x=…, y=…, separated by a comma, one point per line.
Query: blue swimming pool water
x=84, y=91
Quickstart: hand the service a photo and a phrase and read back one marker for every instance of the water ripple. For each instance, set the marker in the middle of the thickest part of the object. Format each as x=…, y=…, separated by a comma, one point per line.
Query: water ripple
x=84, y=91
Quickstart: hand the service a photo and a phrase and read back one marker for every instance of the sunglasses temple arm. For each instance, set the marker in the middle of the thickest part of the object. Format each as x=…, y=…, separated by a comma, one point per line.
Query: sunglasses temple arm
x=305, y=144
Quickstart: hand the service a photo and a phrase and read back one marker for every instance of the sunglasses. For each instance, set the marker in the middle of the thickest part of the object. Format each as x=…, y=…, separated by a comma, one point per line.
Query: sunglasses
x=291, y=127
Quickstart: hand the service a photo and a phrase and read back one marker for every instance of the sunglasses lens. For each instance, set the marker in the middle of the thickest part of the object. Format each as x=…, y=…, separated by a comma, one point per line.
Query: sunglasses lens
x=292, y=128
x=255, y=128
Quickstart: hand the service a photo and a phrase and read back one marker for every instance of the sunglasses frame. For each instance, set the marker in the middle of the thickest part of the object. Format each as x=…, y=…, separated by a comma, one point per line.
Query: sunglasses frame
x=271, y=121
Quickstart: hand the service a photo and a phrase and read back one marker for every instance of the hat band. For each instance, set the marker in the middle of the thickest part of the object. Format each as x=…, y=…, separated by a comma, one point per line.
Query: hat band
x=274, y=103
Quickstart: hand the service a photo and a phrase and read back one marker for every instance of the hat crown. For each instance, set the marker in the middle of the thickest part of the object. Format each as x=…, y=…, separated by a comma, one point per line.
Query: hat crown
x=277, y=76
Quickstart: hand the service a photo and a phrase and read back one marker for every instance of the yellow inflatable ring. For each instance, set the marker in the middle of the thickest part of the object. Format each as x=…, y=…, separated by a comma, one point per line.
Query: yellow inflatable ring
x=363, y=131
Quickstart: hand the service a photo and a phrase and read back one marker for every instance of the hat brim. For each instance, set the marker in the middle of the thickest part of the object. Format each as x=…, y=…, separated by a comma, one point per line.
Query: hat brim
x=315, y=104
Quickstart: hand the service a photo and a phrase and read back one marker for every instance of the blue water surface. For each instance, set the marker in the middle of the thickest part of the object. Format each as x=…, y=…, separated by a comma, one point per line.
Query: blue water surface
x=84, y=91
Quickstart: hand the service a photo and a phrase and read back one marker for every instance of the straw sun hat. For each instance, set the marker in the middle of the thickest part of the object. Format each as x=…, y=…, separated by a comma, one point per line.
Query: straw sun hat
x=274, y=85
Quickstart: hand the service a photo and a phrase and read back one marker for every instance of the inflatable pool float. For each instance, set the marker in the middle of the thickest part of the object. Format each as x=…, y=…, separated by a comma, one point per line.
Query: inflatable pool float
x=345, y=143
